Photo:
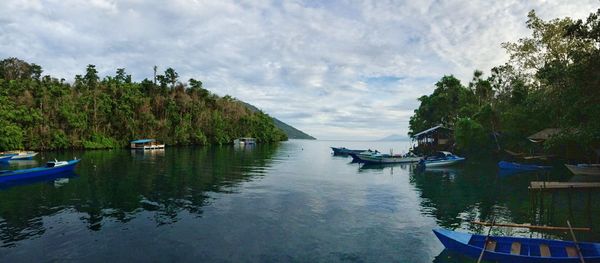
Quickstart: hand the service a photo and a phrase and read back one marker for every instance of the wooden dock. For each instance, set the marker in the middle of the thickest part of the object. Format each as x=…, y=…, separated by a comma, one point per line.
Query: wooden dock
x=537, y=185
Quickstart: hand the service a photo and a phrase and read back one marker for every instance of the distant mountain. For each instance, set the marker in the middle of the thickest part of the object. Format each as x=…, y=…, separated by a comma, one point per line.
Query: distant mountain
x=291, y=132
x=395, y=137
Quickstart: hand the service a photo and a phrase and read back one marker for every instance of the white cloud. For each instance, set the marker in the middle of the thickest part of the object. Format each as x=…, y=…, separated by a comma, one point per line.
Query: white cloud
x=310, y=64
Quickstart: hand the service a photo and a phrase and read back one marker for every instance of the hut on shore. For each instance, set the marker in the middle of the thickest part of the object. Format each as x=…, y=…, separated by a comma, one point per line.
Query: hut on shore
x=438, y=138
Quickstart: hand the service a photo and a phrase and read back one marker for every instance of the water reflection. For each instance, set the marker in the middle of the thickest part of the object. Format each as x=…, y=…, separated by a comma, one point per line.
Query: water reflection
x=120, y=184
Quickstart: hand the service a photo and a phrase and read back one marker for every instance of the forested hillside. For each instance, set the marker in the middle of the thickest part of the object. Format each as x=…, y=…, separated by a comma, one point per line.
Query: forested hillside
x=552, y=80
x=42, y=112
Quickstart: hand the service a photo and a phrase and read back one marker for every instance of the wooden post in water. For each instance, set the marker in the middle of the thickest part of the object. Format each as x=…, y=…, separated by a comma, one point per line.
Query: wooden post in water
x=575, y=241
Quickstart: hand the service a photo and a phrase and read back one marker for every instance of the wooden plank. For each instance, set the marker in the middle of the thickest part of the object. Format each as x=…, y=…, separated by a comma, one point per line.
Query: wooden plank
x=572, y=252
x=491, y=245
x=544, y=250
x=533, y=226
x=537, y=185
x=515, y=248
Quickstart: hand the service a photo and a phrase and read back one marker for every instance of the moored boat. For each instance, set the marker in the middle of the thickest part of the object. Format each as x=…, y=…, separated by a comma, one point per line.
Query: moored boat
x=517, y=249
x=20, y=155
x=379, y=158
x=146, y=144
x=522, y=167
x=52, y=167
x=584, y=169
x=442, y=158
x=345, y=151
x=5, y=158
x=245, y=141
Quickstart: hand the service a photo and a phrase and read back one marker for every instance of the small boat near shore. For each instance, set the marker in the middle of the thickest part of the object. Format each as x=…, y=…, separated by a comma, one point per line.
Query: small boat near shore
x=20, y=155
x=5, y=158
x=345, y=151
x=442, y=158
x=51, y=168
x=522, y=167
x=379, y=158
x=517, y=249
x=146, y=144
x=584, y=169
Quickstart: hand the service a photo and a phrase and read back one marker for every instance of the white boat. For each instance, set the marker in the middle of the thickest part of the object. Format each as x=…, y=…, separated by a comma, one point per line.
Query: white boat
x=245, y=141
x=376, y=157
x=442, y=158
x=584, y=169
x=146, y=144
x=20, y=155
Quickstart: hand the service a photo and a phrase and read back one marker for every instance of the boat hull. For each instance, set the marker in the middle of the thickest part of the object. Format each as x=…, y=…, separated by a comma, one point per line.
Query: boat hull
x=5, y=158
x=26, y=156
x=441, y=163
x=521, y=167
x=471, y=245
x=345, y=151
x=27, y=174
x=584, y=170
x=383, y=160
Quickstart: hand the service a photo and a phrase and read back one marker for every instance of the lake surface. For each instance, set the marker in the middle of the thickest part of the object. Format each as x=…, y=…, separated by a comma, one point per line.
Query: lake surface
x=287, y=202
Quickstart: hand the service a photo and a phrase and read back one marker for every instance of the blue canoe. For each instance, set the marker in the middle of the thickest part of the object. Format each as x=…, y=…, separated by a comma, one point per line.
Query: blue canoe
x=25, y=174
x=521, y=167
x=517, y=249
x=5, y=158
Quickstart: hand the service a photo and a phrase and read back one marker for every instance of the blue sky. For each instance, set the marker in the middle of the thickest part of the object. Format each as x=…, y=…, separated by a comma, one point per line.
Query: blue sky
x=334, y=69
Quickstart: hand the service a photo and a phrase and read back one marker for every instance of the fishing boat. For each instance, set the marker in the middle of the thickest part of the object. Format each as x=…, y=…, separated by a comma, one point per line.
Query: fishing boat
x=146, y=144
x=522, y=167
x=20, y=155
x=584, y=169
x=356, y=159
x=380, y=158
x=5, y=158
x=517, y=249
x=244, y=141
x=345, y=151
x=52, y=167
x=442, y=158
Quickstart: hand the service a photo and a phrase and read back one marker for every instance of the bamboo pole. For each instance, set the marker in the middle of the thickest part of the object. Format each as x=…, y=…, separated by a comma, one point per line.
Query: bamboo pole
x=532, y=226
x=485, y=242
x=576, y=244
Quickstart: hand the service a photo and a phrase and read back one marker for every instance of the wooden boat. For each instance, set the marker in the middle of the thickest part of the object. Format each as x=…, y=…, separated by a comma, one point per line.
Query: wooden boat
x=584, y=169
x=517, y=249
x=442, y=158
x=521, y=167
x=20, y=155
x=379, y=158
x=146, y=144
x=345, y=151
x=51, y=168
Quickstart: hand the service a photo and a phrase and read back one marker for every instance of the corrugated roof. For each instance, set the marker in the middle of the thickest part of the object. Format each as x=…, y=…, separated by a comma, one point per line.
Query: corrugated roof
x=430, y=130
x=143, y=141
x=544, y=134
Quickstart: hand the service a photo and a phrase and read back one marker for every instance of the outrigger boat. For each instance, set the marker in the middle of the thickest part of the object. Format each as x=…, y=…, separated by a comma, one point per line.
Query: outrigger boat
x=52, y=167
x=517, y=249
x=522, y=167
x=442, y=158
x=584, y=169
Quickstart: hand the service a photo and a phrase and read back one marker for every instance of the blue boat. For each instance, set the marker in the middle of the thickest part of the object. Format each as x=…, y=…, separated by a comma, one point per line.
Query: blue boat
x=517, y=249
x=344, y=151
x=521, y=167
x=441, y=158
x=51, y=168
x=5, y=158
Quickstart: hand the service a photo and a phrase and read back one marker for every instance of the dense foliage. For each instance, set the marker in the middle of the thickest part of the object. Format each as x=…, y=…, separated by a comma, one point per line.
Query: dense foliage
x=552, y=80
x=46, y=113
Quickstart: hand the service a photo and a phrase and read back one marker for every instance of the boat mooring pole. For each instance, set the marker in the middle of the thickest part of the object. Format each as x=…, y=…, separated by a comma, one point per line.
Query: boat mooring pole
x=575, y=241
x=486, y=240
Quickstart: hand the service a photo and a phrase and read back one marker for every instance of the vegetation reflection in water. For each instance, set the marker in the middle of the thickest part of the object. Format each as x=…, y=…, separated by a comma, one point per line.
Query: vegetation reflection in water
x=338, y=209
x=119, y=184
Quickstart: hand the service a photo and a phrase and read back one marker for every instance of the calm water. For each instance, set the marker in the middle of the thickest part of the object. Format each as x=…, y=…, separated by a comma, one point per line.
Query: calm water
x=291, y=202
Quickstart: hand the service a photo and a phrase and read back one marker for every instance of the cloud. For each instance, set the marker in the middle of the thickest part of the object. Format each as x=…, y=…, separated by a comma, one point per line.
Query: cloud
x=335, y=69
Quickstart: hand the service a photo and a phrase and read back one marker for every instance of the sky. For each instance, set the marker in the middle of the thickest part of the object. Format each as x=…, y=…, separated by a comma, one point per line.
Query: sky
x=338, y=70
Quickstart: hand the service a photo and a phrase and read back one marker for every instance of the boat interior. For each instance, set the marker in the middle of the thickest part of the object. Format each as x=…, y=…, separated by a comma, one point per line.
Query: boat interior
x=533, y=247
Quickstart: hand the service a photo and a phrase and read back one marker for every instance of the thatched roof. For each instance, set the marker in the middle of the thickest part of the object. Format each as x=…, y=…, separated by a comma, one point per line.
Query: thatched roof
x=544, y=134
